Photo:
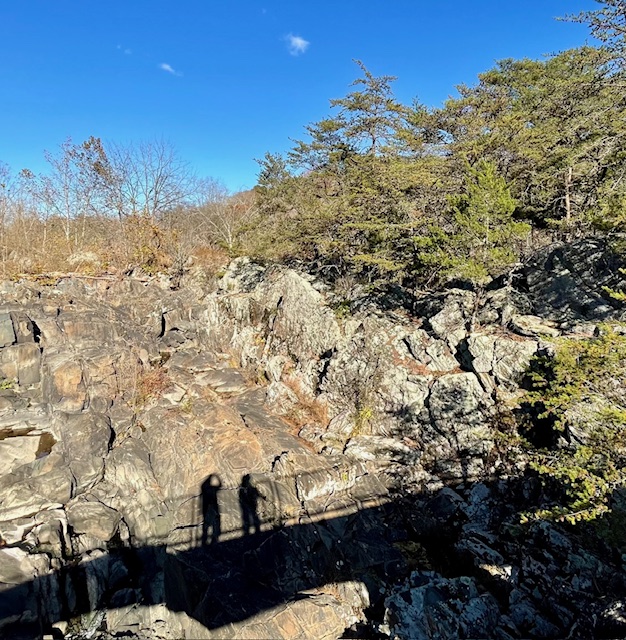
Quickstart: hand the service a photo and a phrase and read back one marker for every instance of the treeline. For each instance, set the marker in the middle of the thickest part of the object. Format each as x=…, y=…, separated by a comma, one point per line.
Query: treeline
x=102, y=207
x=379, y=191
x=382, y=190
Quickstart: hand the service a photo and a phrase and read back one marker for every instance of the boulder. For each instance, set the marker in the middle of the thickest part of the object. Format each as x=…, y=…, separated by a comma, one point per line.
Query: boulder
x=85, y=439
x=503, y=358
x=93, y=518
x=17, y=451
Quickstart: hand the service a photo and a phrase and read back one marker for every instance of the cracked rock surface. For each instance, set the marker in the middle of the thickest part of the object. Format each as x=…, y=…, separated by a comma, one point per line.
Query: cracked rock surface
x=246, y=462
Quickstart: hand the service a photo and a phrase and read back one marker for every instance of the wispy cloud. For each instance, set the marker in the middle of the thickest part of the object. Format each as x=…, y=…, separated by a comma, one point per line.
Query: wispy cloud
x=169, y=69
x=124, y=50
x=296, y=45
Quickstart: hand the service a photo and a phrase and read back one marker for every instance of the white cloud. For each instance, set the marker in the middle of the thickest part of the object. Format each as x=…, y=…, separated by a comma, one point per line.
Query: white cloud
x=124, y=50
x=297, y=45
x=169, y=69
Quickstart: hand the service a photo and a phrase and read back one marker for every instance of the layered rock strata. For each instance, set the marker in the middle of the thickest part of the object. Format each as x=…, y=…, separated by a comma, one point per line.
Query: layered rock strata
x=265, y=458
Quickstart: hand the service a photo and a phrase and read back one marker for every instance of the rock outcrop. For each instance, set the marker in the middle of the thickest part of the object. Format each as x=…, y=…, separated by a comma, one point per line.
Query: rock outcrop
x=254, y=462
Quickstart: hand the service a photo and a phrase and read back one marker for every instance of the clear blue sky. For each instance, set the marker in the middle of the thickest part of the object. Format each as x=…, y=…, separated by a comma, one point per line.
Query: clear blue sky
x=226, y=81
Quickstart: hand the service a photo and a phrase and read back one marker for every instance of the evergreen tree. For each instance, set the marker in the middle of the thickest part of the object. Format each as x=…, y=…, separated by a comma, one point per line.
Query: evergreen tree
x=352, y=178
x=479, y=239
x=554, y=128
x=607, y=24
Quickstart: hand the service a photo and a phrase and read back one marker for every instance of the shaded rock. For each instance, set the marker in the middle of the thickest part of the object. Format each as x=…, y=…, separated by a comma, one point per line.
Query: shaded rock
x=432, y=607
x=455, y=396
x=613, y=620
x=446, y=506
x=488, y=563
x=20, y=603
x=566, y=282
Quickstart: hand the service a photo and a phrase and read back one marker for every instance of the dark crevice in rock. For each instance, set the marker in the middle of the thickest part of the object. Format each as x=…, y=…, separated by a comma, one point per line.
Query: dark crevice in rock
x=464, y=357
x=36, y=332
x=112, y=438
x=325, y=360
x=46, y=442
x=407, y=344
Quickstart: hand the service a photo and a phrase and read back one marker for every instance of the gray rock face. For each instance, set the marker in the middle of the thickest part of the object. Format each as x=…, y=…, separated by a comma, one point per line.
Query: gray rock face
x=434, y=607
x=222, y=464
x=375, y=371
x=566, y=283
x=451, y=322
x=7, y=334
x=110, y=451
x=503, y=358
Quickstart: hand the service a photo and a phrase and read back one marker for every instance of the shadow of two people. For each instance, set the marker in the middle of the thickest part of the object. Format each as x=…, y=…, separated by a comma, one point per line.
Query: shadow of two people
x=248, y=496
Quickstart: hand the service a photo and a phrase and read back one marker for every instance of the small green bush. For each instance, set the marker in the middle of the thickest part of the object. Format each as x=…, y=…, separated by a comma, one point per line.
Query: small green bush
x=584, y=383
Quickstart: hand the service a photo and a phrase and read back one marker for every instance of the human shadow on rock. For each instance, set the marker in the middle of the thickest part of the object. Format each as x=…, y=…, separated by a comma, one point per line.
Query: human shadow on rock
x=249, y=504
x=230, y=577
x=211, y=517
x=237, y=577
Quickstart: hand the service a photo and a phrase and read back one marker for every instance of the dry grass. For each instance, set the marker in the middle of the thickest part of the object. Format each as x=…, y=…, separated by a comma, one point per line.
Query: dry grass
x=151, y=384
x=309, y=409
x=138, y=384
x=99, y=245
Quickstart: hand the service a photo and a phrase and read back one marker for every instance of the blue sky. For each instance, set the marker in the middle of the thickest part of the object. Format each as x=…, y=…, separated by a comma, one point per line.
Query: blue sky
x=226, y=81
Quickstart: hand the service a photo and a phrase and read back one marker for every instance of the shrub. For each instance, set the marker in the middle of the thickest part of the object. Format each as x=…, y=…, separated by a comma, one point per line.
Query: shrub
x=580, y=394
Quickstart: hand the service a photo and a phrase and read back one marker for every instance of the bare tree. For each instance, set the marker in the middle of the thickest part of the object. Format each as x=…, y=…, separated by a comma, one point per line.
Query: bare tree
x=147, y=178
x=5, y=207
x=220, y=216
x=73, y=188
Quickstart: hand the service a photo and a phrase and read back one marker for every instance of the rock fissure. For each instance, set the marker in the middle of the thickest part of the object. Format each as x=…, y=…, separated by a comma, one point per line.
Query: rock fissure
x=174, y=498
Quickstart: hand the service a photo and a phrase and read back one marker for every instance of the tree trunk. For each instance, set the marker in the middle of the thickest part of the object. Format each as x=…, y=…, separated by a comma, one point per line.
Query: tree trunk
x=568, y=201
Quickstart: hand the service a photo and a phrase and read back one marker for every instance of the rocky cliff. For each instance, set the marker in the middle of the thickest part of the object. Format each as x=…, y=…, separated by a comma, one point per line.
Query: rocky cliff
x=267, y=456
